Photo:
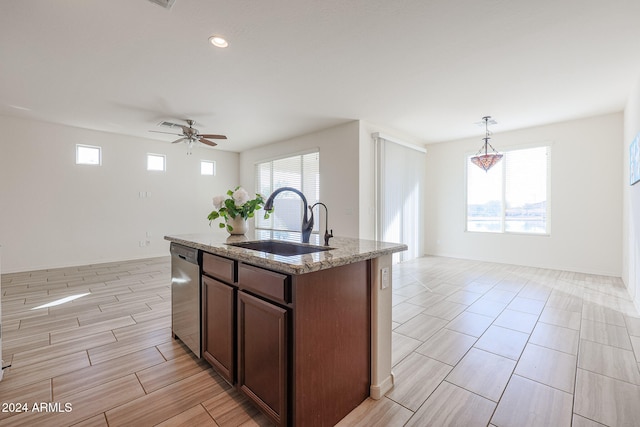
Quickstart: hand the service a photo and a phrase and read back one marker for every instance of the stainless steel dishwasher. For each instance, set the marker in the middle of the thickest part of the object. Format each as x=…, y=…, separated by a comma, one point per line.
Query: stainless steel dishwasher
x=185, y=296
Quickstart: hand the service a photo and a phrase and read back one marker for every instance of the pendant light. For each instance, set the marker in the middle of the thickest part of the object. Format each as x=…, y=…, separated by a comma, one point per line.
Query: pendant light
x=486, y=160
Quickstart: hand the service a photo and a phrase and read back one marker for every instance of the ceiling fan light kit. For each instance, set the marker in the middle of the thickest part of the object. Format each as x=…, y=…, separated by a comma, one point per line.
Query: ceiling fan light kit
x=189, y=134
x=487, y=160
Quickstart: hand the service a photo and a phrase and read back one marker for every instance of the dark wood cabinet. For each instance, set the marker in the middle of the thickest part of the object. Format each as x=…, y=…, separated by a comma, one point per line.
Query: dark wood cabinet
x=218, y=331
x=298, y=346
x=331, y=345
x=219, y=267
x=263, y=359
x=269, y=284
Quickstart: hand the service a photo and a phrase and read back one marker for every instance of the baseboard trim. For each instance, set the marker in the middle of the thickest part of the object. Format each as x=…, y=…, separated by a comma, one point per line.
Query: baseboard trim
x=377, y=391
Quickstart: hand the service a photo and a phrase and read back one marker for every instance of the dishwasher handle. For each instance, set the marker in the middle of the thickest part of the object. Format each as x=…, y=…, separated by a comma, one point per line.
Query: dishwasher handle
x=185, y=253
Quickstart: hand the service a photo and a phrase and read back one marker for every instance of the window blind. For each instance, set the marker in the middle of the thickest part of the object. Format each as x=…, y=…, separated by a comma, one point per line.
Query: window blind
x=301, y=172
x=400, y=174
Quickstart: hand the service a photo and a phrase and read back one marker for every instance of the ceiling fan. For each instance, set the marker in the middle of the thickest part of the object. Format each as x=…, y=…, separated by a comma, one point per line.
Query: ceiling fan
x=190, y=134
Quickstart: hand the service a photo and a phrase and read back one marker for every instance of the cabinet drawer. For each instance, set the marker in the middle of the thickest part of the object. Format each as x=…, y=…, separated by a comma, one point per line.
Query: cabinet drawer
x=219, y=267
x=275, y=286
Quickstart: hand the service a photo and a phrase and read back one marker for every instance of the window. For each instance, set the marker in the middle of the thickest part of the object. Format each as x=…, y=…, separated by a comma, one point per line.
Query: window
x=88, y=155
x=156, y=162
x=512, y=197
x=207, y=167
x=301, y=172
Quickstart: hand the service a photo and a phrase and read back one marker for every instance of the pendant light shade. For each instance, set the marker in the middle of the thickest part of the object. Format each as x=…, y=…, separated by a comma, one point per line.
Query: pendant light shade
x=486, y=161
x=483, y=158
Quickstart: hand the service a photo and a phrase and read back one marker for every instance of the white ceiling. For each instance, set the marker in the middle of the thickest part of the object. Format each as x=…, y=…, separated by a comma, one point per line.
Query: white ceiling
x=426, y=68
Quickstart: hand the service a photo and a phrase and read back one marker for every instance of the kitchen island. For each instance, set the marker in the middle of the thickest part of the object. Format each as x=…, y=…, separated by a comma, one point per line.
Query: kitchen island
x=306, y=337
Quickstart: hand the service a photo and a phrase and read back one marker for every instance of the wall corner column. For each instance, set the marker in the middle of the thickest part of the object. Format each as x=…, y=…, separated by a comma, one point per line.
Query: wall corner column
x=381, y=376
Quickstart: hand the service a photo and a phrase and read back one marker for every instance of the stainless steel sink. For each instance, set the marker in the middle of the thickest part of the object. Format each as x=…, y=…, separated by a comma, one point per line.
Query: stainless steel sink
x=279, y=247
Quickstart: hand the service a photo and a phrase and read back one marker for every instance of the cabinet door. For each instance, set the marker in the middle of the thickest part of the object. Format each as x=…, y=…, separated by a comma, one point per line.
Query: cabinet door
x=219, y=301
x=263, y=355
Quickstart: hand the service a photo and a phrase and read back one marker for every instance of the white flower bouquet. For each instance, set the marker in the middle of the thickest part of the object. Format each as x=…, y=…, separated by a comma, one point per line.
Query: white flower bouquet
x=236, y=203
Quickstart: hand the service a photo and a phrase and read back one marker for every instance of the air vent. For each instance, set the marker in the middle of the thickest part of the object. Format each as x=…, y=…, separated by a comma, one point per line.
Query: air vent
x=169, y=124
x=167, y=4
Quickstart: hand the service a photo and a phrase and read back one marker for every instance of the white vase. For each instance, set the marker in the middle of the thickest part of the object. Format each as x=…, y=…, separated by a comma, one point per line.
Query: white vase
x=238, y=224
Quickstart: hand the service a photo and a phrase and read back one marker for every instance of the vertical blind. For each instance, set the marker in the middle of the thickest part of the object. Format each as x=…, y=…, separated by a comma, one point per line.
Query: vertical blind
x=400, y=173
x=301, y=172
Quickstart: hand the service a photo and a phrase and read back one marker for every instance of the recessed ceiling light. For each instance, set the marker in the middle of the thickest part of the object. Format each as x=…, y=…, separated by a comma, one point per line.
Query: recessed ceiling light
x=218, y=41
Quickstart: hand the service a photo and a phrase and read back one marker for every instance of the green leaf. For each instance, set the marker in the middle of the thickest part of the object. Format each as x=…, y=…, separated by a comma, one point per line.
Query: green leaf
x=221, y=225
x=229, y=228
x=230, y=210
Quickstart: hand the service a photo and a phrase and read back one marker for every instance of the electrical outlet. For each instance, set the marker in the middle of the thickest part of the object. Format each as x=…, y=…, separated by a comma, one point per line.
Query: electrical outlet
x=384, y=282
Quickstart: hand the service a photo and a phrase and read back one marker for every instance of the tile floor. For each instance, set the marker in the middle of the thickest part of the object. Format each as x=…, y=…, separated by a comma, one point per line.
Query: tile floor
x=473, y=344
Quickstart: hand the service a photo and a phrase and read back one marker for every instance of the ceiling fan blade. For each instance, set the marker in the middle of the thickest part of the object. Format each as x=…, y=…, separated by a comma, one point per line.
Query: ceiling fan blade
x=207, y=142
x=179, y=140
x=168, y=133
x=212, y=136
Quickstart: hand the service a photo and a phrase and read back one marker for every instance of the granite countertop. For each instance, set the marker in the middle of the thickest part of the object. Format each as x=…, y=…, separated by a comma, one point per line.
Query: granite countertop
x=345, y=251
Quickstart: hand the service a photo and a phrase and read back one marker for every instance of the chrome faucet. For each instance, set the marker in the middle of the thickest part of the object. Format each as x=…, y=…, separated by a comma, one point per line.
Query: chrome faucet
x=327, y=235
x=307, y=223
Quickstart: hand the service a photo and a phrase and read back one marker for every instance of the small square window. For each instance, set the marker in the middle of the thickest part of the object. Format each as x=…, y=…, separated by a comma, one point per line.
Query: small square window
x=207, y=167
x=88, y=155
x=156, y=162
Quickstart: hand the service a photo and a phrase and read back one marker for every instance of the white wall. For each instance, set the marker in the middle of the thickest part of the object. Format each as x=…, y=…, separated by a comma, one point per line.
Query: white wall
x=338, y=147
x=55, y=213
x=347, y=180
x=586, y=199
x=631, y=201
